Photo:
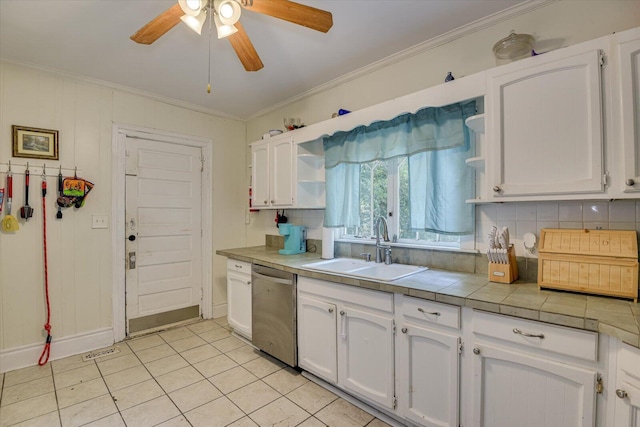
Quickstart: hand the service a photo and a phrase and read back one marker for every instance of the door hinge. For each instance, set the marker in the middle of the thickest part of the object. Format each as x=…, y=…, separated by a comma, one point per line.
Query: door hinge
x=605, y=178
x=395, y=402
x=460, y=346
x=599, y=384
x=394, y=327
x=201, y=294
x=201, y=163
x=602, y=59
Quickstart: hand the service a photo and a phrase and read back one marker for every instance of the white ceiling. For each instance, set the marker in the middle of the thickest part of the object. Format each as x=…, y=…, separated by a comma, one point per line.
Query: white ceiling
x=91, y=38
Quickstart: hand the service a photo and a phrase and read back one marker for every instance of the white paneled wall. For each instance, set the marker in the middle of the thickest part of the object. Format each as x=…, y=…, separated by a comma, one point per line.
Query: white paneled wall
x=79, y=256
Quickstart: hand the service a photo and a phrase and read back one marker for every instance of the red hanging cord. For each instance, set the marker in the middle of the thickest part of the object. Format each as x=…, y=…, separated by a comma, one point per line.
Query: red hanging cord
x=44, y=357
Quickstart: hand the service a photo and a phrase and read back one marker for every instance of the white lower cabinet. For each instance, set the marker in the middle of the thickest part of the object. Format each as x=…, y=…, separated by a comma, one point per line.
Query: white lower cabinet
x=354, y=350
x=239, y=297
x=516, y=385
x=428, y=361
x=365, y=354
x=422, y=361
x=627, y=387
x=317, y=340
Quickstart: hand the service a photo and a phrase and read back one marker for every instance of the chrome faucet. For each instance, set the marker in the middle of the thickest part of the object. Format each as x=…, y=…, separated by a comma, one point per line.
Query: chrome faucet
x=383, y=252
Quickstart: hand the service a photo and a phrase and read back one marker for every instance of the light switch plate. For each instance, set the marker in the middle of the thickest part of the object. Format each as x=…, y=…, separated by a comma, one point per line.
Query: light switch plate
x=99, y=221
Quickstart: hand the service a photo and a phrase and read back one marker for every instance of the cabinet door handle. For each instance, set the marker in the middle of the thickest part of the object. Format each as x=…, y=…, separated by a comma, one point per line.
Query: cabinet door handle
x=265, y=202
x=476, y=350
x=342, y=313
x=497, y=189
x=237, y=266
x=621, y=393
x=248, y=282
x=273, y=201
x=527, y=334
x=433, y=313
x=331, y=310
x=630, y=182
x=404, y=330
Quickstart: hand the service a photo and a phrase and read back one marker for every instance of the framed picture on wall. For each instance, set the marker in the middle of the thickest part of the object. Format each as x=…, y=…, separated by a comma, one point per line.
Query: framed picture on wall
x=35, y=143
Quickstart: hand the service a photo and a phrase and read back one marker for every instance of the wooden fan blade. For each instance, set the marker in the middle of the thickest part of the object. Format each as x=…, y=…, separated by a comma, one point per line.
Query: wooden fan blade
x=307, y=16
x=158, y=25
x=244, y=49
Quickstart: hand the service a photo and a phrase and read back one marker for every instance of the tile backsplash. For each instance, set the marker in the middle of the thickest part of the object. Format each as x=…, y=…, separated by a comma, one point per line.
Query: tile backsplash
x=519, y=217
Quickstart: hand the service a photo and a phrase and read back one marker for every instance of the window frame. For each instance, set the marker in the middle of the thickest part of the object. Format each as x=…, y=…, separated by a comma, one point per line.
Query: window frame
x=466, y=243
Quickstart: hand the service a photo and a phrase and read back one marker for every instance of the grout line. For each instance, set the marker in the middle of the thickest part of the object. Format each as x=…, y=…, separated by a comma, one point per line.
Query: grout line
x=55, y=391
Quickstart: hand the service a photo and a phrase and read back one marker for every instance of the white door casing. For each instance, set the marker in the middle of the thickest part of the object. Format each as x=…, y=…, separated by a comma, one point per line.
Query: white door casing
x=119, y=160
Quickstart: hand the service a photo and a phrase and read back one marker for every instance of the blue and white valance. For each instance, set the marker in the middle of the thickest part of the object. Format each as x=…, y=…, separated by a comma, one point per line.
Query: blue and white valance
x=436, y=141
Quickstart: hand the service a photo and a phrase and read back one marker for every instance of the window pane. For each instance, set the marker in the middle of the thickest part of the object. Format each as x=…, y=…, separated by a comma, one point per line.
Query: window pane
x=373, y=197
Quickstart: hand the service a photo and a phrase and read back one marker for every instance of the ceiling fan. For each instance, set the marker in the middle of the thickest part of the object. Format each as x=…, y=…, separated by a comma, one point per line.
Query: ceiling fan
x=226, y=15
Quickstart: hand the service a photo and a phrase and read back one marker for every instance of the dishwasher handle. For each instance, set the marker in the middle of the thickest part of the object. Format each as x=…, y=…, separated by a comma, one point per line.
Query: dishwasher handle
x=273, y=279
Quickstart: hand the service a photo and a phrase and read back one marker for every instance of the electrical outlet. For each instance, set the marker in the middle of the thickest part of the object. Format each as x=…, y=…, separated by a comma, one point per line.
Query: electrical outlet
x=99, y=221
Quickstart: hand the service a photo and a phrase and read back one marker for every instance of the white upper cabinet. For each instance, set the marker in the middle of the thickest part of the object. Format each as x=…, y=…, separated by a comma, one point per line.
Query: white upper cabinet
x=627, y=90
x=545, y=123
x=272, y=173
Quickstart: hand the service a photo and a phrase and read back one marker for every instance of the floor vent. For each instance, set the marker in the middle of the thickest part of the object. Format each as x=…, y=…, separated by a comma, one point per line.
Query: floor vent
x=100, y=353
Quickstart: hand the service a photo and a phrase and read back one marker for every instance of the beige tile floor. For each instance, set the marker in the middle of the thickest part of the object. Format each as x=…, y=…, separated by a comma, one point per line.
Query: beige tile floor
x=195, y=375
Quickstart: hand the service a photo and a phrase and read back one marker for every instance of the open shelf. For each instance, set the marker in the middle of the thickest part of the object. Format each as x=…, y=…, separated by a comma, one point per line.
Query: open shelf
x=475, y=123
x=476, y=162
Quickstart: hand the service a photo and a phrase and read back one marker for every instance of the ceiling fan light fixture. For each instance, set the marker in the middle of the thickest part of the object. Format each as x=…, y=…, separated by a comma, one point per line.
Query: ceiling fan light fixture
x=228, y=10
x=195, y=22
x=192, y=7
x=224, y=30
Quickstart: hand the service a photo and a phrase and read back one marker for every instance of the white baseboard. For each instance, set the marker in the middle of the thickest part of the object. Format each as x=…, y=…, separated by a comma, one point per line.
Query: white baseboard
x=219, y=310
x=28, y=355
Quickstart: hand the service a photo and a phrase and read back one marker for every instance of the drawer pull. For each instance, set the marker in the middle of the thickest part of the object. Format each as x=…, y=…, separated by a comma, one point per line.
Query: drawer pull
x=237, y=266
x=433, y=313
x=526, y=334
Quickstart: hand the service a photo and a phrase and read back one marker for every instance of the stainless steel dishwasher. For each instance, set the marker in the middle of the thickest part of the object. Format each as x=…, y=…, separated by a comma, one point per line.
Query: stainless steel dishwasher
x=273, y=304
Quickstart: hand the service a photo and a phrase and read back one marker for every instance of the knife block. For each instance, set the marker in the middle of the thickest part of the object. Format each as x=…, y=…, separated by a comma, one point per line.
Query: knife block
x=504, y=273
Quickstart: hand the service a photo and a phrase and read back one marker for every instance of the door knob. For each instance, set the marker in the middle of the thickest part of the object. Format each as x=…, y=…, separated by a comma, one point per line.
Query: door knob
x=621, y=393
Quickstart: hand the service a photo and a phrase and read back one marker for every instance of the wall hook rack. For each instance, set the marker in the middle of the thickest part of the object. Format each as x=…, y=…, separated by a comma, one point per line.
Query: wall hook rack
x=18, y=169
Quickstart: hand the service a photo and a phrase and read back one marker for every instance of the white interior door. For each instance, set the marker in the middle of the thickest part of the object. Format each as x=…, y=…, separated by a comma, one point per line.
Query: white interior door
x=163, y=233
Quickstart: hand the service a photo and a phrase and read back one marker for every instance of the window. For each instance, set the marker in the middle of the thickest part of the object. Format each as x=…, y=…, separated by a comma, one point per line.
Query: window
x=384, y=190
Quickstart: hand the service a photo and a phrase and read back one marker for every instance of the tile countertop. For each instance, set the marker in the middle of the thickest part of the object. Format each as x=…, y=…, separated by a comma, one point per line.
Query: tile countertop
x=615, y=317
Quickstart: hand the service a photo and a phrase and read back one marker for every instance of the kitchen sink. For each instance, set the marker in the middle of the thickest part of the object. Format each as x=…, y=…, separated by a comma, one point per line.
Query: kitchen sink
x=362, y=269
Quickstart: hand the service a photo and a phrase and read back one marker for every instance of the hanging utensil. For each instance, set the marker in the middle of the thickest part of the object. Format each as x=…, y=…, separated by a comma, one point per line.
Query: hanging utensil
x=59, y=214
x=26, y=211
x=9, y=222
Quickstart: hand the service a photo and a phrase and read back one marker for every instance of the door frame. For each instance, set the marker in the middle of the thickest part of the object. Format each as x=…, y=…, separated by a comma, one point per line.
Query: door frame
x=118, y=162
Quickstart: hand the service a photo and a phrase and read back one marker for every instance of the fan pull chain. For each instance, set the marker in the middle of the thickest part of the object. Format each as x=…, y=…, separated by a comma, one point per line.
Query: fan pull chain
x=210, y=19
